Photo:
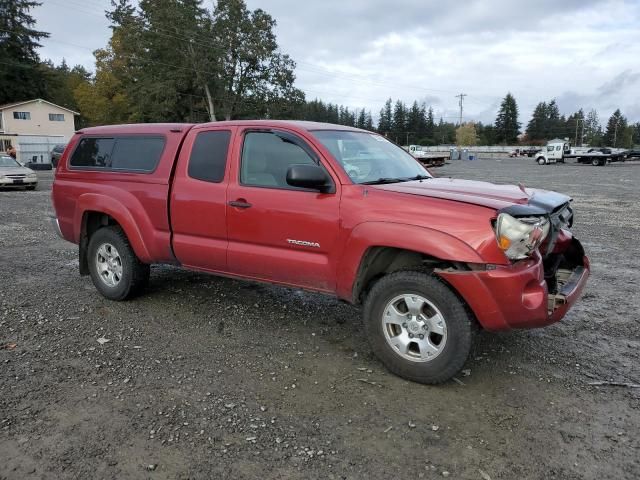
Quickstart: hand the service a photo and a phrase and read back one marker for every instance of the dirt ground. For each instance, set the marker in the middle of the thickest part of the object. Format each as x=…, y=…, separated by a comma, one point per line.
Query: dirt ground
x=204, y=377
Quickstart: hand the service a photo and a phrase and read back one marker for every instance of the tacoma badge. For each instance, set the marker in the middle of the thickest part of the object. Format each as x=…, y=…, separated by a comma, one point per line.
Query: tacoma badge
x=303, y=243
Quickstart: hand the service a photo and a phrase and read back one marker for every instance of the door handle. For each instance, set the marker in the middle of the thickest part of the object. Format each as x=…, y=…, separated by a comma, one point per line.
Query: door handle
x=240, y=203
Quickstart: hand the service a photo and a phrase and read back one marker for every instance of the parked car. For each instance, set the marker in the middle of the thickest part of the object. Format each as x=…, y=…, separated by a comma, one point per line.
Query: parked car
x=633, y=154
x=271, y=201
x=12, y=174
x=56, y=153
x=529, y=152
x=515, y=153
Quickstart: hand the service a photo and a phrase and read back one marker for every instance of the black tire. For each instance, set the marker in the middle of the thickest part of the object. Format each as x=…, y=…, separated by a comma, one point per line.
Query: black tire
x=541, y=161
x=459, y=326
x=135, y=274
x=595, y=162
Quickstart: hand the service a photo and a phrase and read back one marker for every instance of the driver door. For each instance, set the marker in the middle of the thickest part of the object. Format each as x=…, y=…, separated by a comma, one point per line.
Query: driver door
x=277, y=232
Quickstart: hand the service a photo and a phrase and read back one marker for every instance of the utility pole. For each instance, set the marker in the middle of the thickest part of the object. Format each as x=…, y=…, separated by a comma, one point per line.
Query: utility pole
x=460, y=102
x=578, y=120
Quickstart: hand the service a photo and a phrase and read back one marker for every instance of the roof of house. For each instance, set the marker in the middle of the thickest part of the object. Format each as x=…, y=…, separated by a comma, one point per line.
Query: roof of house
x=40, y=100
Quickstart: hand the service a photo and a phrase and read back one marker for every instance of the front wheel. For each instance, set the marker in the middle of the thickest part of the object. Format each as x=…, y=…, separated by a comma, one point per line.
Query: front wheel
x=418, y=327
x=115, y=270
x=541, y=161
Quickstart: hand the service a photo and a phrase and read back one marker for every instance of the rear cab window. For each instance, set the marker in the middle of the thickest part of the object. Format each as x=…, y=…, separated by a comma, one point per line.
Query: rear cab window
x=127, y=153
x=208, y=159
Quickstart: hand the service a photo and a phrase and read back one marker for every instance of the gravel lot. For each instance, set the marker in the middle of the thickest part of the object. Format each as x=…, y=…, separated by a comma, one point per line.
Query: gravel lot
x=205, y=377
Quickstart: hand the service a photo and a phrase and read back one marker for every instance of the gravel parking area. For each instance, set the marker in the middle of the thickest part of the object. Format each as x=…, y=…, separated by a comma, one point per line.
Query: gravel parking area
x=205, y=378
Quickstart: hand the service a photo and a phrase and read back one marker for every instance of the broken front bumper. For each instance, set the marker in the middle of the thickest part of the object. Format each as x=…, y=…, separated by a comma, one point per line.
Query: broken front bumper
x=517, y=296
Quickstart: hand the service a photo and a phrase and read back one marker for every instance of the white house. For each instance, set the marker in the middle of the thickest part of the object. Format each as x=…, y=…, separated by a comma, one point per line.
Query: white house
x=34, y=127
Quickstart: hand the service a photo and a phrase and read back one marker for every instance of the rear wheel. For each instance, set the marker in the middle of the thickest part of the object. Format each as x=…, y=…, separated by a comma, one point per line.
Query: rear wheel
x=115, y=270
x=418, y=327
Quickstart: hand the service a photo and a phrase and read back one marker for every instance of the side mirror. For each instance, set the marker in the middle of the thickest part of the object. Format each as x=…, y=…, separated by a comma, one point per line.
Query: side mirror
x=309, y=176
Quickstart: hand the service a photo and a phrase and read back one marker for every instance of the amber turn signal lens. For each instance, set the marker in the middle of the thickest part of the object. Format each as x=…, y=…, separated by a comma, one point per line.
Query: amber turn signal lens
x=504, y=243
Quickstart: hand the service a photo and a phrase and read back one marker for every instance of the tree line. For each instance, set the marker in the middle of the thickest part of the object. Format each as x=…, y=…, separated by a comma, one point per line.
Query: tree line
x=175, y=60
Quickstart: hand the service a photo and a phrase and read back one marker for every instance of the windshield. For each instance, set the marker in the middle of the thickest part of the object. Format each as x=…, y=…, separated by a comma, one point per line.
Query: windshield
x=371, y=158
x=8, y=162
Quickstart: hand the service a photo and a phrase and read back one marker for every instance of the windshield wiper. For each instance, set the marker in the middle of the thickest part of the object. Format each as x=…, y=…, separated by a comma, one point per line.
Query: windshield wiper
x=383, y=180
x=420, y=177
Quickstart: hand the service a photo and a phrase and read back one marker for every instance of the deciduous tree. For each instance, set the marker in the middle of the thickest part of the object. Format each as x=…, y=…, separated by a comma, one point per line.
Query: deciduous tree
x=466, y=135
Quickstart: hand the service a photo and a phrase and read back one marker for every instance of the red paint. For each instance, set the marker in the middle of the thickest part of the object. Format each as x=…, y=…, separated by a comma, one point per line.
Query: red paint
x=172, y=218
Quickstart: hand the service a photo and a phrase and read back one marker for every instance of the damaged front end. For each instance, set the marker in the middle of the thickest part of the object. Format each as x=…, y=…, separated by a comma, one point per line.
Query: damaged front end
x=546, y=273
x=563, y=257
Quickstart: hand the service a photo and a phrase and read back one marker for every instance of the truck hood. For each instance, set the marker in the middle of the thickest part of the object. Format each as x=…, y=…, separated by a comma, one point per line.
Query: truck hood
x=516, y=200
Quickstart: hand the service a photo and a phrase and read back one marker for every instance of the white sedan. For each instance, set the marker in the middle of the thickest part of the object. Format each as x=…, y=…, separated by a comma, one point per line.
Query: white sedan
x=12, y=174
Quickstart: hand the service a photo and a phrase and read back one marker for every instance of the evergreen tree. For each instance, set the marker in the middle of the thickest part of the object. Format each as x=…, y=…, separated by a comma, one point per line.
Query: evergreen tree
x=616, y=126
x=430, y=125
x=444, y=133
x=362, y=120
x=386, y=115
x=22, y=77
x=368, y=125
x=486, y=134
x=552, y=127
x=415, y=122
x=399, y=122
x=536, y=128
x=507, y=125
x=635, y=134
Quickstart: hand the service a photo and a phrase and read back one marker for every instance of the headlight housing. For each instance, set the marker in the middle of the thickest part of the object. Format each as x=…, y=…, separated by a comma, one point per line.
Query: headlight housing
x=32, y=175
x=518, y=238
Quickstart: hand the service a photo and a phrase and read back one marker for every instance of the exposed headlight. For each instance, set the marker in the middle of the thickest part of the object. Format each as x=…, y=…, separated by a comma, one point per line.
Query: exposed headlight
x=518, y=238
x=32, y=175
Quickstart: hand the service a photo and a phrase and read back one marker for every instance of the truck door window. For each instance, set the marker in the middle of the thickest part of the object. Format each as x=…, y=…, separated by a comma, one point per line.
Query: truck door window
x=208, y=158
x=266, y=158
x=558, y=148
x=550, y=149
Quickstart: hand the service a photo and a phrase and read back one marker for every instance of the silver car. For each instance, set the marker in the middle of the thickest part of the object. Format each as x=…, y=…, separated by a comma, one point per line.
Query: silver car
x=12, y=174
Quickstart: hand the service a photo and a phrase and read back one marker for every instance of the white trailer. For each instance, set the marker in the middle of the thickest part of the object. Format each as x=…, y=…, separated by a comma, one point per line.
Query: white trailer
x=426, y=158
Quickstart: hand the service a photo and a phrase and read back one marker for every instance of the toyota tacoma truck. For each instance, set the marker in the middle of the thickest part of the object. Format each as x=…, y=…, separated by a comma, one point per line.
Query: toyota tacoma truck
x=429, y=259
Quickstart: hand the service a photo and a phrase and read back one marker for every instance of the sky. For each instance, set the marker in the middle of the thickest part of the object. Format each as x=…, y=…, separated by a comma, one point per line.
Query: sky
x=583, y=53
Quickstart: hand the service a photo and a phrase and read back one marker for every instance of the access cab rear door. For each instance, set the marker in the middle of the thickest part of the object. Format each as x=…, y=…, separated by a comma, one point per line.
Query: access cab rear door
x=198, y=203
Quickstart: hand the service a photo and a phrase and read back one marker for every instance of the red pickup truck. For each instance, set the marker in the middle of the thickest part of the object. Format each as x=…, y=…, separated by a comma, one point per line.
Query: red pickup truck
x=325, y=208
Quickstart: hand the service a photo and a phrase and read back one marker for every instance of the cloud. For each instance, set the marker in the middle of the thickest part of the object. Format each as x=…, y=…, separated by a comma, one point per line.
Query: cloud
x=361, y=52
x=619, y=92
